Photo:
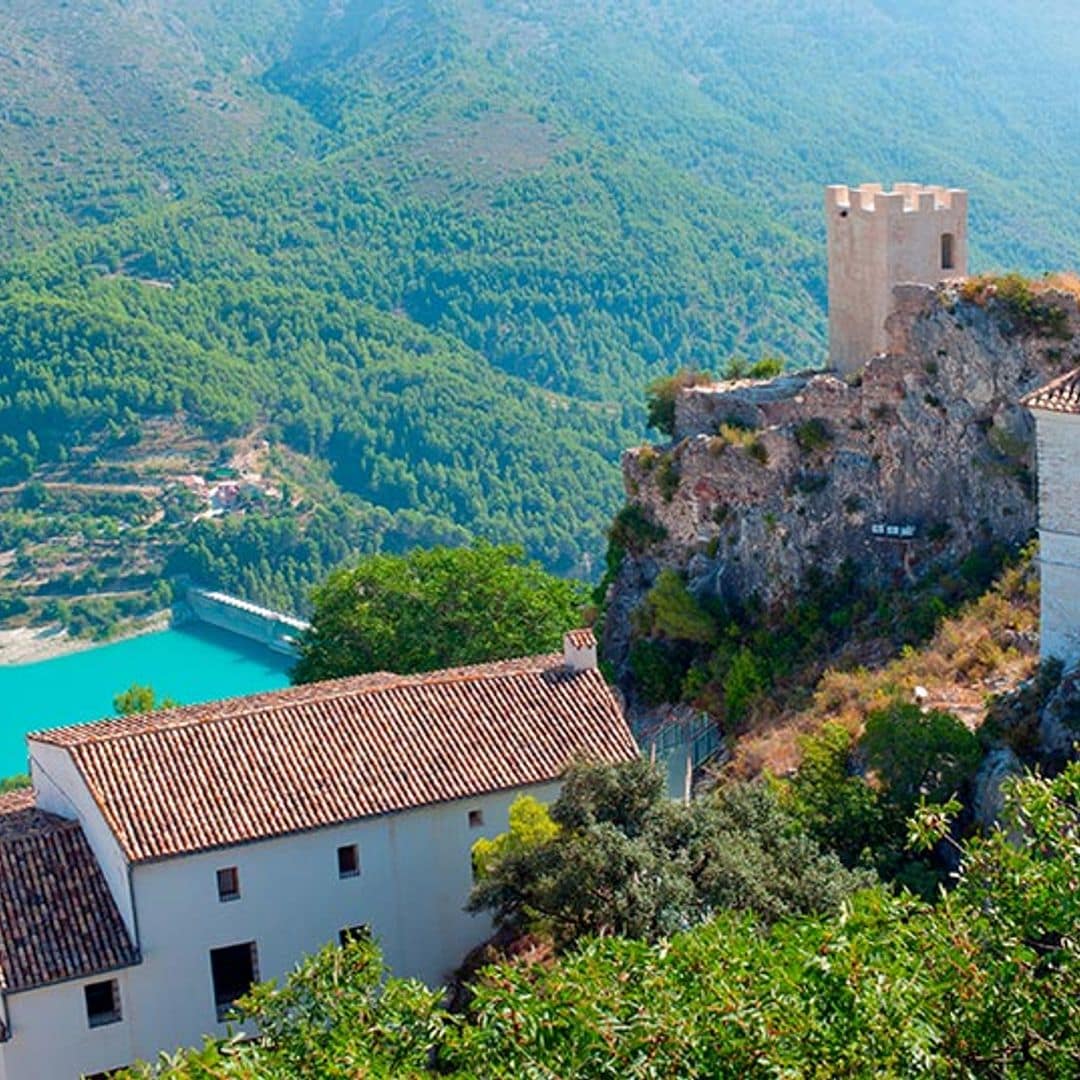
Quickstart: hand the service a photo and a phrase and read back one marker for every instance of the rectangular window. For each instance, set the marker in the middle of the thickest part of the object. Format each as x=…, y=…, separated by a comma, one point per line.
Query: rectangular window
x=354, y=933
x=476, y=819
x=947, y=258
x=348, y=861
x=235, y=970
x=228, y=883
x=102, y=1003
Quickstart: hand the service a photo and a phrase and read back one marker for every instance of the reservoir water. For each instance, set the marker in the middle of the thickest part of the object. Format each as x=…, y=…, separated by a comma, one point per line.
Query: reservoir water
x=190, y=664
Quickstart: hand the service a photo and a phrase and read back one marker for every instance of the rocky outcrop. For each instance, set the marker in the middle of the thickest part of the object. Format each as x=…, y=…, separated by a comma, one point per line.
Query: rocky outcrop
x=919, y=458
x=1059, y=724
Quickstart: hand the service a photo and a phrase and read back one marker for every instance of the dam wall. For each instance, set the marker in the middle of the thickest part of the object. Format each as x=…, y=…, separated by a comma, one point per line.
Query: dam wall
x=271, y=628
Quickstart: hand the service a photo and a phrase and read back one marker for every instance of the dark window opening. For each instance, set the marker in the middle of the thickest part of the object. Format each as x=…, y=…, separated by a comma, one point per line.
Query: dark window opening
x=102, y=1002
x=228, y=883
x=348, y=861
x=354, y=933
x=843, y=213
x=235, y=970
x=476, y=819
x=947, y=259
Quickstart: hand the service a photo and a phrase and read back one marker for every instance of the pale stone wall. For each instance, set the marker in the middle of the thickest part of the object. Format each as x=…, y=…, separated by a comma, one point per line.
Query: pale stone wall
x=1059, y=534
x=876, y=241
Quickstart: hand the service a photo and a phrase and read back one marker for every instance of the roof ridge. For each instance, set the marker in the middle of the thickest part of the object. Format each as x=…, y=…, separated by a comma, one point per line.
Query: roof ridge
x=183, y=716
x=1043, y=397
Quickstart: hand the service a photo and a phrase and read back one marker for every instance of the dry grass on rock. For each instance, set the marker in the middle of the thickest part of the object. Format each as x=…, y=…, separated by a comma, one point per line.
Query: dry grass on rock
x=989, y=647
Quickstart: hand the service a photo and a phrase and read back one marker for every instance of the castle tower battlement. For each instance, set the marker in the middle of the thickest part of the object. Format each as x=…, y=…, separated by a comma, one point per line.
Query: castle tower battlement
x=877, y=240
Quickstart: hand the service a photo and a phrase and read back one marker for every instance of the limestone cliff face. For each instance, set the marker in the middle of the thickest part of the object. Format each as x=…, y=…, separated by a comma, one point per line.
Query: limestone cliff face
x=921, y=457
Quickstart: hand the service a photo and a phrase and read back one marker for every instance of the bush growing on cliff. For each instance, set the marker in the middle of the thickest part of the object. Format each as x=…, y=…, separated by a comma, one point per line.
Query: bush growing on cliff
x=660, y=397
x=633, y=531
x=812, y=435
x=667, y=477
x=658, y=669
x=670, y=610
x=1028, y=311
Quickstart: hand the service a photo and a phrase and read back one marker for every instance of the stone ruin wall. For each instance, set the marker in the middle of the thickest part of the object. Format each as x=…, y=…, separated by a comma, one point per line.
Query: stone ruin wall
x=926, y=456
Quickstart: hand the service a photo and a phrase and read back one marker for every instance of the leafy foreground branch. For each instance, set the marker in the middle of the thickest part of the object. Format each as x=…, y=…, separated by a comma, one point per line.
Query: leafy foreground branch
x=984, y=983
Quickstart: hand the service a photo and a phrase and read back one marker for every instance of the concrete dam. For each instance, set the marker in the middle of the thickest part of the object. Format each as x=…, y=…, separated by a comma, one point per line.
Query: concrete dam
x=271, y=628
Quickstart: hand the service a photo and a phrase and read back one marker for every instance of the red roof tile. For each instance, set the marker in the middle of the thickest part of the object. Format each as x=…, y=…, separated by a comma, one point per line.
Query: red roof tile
x=57, y=916
x=207, y=776
x=1061, y=395
x=582, y=639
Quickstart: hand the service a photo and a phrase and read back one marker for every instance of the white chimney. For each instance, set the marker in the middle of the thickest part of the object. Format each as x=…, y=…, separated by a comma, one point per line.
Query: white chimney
x=579, y=650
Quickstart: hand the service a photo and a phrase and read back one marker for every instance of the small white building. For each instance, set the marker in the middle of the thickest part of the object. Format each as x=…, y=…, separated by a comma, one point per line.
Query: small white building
x=163, y=863
x=1057, y=421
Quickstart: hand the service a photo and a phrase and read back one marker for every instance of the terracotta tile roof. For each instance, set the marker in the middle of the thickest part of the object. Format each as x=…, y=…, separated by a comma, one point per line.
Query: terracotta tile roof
x=582, y=639
x=57, y=916
x=208, y=776
x=1061, y=395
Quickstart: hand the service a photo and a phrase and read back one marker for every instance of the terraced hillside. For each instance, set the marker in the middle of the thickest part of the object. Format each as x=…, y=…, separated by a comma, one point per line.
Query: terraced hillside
x=430, y=250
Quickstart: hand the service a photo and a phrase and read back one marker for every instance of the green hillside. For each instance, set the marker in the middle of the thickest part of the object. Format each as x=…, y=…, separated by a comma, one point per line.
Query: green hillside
x=440, y=245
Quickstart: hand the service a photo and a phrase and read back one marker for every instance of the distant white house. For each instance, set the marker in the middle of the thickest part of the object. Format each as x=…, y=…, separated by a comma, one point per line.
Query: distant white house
x=163, y=863
x=1057, y=418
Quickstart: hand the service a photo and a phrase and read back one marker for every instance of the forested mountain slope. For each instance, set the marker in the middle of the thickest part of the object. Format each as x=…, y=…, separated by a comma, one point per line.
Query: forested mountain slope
x=441, y=244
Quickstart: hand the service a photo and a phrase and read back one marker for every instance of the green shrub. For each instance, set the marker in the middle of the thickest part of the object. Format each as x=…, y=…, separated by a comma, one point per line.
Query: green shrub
x=758, y=451
x=768, y=367
x=660, y=397
x=812, y=435
x=633, y=530
x=670, y=610
x=657, y=672
x=736, y=368
x=746, y=680
x=667, y=477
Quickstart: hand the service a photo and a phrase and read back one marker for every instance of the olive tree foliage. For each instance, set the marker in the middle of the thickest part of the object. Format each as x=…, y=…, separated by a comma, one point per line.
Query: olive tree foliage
x=983, y=983
x=855, y=795
x=337, y=1017
x=625, y=860
x=435, y=608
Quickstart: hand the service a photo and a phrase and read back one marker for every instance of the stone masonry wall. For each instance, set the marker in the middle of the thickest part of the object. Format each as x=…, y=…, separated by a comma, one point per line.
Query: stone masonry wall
x=922, y=456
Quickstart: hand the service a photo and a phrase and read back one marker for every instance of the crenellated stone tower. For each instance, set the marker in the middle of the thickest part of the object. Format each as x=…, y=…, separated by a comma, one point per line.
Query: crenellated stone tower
x=878, y=240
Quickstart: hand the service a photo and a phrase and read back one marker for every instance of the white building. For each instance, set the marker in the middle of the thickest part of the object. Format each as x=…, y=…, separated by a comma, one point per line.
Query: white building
x=162, y=863
x=1057, y=420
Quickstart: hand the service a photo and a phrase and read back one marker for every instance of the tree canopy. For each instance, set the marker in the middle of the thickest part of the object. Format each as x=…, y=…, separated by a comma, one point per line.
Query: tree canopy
x=138, y=698
x=436, y=608
x=623, y=859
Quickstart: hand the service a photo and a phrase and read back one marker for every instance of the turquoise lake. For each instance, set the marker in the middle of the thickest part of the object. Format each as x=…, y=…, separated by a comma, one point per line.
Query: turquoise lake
x=188, y=663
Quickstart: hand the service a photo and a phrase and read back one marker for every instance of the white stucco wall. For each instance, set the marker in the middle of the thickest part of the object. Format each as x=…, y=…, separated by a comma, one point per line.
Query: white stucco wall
x=52, y=1040
x=1058, y=437
x=415, y=877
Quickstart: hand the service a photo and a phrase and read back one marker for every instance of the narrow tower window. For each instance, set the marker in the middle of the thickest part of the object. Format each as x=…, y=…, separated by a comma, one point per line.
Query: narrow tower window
x=947, y=260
